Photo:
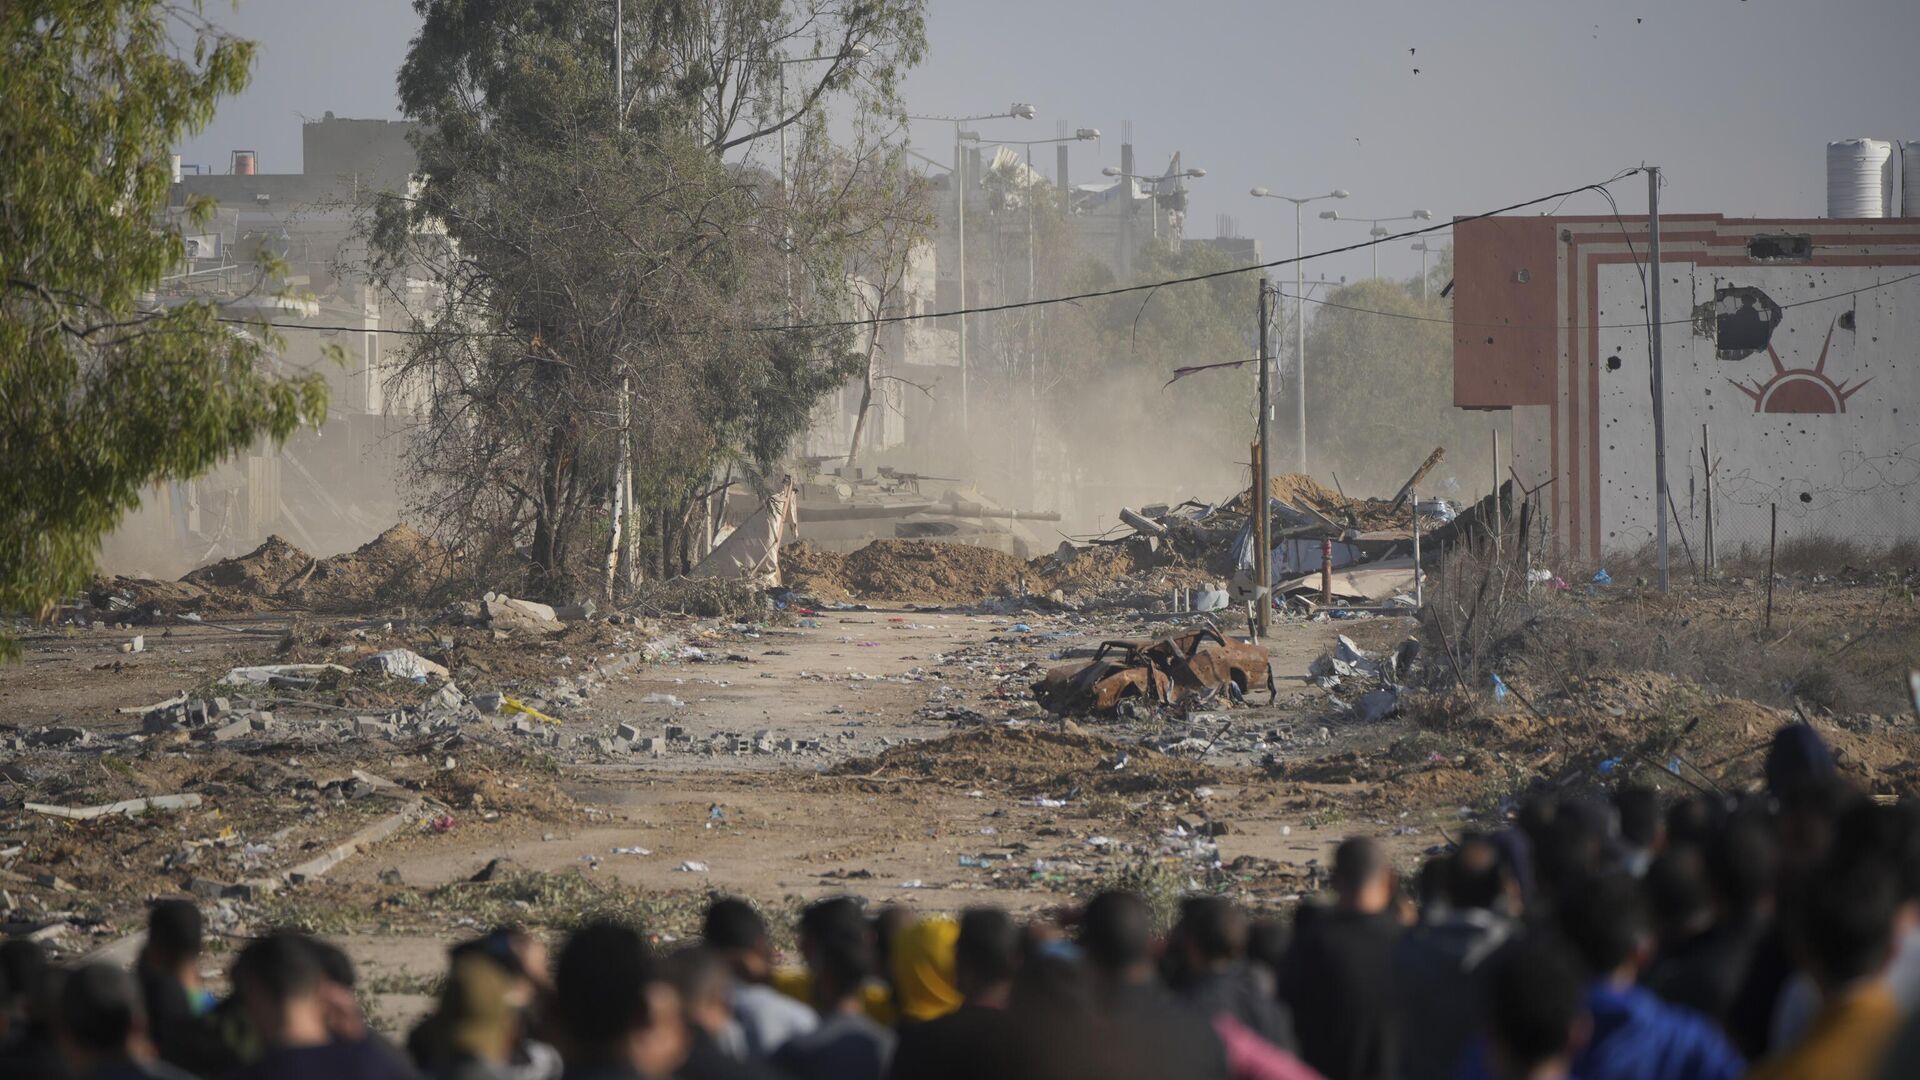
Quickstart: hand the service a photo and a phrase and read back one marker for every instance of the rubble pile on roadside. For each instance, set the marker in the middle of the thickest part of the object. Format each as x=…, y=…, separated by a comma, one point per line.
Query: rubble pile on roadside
x=401, y=566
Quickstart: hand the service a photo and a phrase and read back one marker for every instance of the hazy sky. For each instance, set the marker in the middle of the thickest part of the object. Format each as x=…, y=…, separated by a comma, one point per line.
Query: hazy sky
x=1512, y=99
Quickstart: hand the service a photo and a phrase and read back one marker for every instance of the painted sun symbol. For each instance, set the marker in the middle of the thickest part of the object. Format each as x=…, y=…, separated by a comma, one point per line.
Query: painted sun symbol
x=1800, y=390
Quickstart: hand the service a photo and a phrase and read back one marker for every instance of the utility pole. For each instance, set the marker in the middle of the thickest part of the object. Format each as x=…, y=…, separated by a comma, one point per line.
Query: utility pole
x=1262, y=572
x=1659, y=389
x=1299, y=352
x=960, y=195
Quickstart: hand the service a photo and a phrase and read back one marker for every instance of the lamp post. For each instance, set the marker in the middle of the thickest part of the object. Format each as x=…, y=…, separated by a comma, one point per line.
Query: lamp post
x=1424, y=249
x=1299, y=312
x=853, y=52
x=1126, y=219
x=1033, y=358
x=1378, y=229
x=1017, y=111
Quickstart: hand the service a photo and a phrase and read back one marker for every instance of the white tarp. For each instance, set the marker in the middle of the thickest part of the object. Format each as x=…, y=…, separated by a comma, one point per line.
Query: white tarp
x=752, y=551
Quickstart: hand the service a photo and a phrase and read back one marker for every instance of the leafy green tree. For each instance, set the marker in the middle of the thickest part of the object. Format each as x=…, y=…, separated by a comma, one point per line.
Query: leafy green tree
x=102, y=394
x=1380, y=390
x=595, y=262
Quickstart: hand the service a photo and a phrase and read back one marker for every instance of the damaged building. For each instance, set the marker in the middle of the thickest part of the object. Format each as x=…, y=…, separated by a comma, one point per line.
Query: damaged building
x=328, y=489
x=1789, y=371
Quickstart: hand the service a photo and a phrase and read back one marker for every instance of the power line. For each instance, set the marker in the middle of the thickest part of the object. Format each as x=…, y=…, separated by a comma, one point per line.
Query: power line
x=1119, y=290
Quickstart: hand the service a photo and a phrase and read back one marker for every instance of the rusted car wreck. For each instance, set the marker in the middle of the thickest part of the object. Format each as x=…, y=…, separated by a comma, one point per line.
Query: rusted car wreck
x=1196, y=668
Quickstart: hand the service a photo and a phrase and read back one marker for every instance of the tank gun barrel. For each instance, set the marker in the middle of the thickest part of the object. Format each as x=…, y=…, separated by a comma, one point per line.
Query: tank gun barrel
x=963, y=508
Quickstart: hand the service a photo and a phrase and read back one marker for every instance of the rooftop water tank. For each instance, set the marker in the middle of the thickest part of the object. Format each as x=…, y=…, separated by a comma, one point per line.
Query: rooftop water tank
x=1910, y=178
x=1860, y=178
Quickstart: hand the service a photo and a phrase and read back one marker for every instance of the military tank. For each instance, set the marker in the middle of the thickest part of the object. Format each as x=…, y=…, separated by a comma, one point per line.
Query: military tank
x=847, y=508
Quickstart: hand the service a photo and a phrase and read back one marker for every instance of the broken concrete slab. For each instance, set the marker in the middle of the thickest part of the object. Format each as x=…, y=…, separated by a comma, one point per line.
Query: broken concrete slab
x=403, y=664
x=226, y=732
x=520, y=616
x=129, y=807
x=290, y=675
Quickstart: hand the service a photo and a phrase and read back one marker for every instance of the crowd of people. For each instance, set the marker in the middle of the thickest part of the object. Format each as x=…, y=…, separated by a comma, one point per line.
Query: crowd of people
x=1612, y=936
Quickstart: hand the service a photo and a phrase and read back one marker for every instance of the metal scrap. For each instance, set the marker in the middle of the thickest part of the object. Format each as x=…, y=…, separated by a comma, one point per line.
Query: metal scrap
x=1198, y=666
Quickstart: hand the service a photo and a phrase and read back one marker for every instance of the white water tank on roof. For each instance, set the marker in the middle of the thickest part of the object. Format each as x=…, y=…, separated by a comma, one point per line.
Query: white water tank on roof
x=1860, y=178
x=1910, y=178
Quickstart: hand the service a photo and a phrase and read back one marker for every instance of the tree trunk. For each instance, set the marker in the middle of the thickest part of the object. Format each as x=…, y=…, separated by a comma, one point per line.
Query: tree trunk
x=866, y=395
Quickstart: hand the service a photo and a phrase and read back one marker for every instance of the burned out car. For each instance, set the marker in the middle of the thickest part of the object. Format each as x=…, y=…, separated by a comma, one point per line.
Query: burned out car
x=1199, y=667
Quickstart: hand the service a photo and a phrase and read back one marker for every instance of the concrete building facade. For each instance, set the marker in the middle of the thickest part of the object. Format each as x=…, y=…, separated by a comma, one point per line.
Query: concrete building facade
x=1789, y=352
x=326, y=490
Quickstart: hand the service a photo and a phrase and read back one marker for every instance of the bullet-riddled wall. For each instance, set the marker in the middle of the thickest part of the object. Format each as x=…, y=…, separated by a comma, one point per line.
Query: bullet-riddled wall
x=1791, y=350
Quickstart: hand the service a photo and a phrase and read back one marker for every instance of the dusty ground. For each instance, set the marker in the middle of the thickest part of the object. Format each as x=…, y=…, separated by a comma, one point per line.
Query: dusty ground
x=894, y=752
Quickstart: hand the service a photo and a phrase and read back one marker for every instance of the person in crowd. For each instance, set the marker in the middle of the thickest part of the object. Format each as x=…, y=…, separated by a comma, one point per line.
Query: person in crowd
x=101, y=1028
x=986, y=958
x=715, y=1048
x=618, y=1019
x=1643, y=833
x=1208, y=956
x=1338, y=976
x=178, y=1005
x=1438, y=965
x=1266, y=952
x=295, y=1008
x=768, y=1018
x=848, y=1044
x=1704, y=972
x=519, y=959
x=1536, y=1019
x=1116, y=937
x=474, y=1026
x=1636, y=1036
x=28, y=986
x=922, y=965
x=1843, y=932
x=1678, y=897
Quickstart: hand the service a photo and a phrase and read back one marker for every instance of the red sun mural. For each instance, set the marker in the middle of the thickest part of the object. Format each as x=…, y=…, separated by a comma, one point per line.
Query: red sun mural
x=1800, y=390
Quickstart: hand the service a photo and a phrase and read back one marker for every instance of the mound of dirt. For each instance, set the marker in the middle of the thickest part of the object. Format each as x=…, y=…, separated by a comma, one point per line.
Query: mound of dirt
x=400, y=565
x=252, y=580
x=1038, y=762
x=1095, y=569
x=812, y=572
x=921, y=570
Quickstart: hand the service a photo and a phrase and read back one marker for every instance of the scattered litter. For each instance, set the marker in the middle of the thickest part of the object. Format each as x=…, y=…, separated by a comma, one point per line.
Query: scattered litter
x=663, y=699
x=692, y=867
x=515, y=705
x=1601, y=577
x=632, y=851
x=1499, y=689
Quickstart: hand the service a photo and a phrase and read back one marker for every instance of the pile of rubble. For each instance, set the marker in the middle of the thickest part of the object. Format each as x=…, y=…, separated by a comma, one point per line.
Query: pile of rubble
x=400, y=566
x=1329, y=549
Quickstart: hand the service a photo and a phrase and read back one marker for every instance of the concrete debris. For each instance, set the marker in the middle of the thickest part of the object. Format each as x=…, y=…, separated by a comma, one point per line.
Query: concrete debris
x=289, y=676
x=513, y=616
x=403, y=664
x=129, y=807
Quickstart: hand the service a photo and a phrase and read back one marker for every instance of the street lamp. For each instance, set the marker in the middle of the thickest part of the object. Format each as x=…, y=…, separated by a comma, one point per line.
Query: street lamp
x=1299, y=319
x=1019, y=110
x=1126, y=217
x=1033, y=358
x=1378, y=230
x=1423, y=248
